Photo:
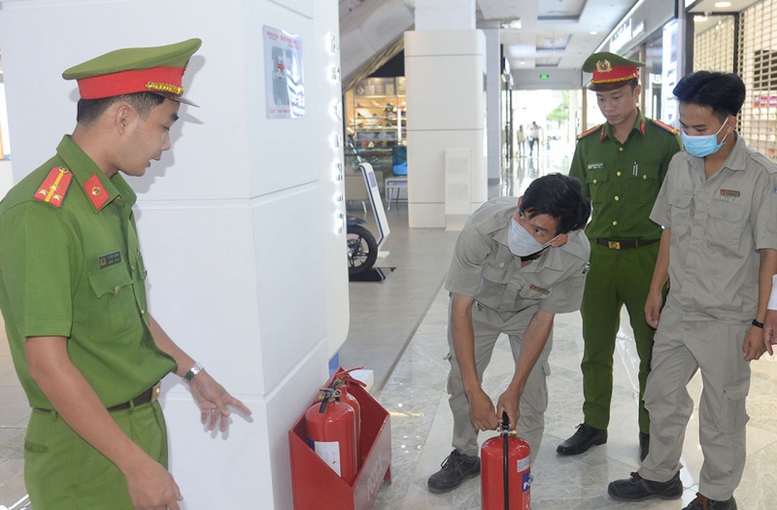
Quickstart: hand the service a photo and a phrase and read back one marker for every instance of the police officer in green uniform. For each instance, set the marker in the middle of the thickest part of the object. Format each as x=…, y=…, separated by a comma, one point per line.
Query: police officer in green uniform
x=72, y=292
x=622, y=164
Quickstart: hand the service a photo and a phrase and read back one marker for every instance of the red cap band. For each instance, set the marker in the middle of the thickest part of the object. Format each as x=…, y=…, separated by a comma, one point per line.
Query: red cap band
x=613, y=74
x=165, y=79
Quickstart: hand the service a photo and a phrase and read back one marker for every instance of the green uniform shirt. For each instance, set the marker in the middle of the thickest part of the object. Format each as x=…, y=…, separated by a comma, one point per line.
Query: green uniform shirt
x=718, y=224
x=623, y=180
x=76, y=271
x=484, y=267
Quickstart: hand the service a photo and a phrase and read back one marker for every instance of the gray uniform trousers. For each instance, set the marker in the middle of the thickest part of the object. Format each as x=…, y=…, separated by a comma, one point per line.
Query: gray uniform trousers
x=681, y=348
x=534, y=401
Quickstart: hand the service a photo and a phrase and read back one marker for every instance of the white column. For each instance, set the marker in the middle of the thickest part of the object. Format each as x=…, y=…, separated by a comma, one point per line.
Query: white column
x=494, y=105
x=238, y=222
x=445, y=62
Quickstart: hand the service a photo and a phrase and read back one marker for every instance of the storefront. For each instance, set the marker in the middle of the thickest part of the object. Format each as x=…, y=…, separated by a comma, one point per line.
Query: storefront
x=744, y=42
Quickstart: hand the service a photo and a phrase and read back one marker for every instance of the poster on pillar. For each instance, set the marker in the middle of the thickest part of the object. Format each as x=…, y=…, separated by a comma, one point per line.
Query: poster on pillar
x=285, y=90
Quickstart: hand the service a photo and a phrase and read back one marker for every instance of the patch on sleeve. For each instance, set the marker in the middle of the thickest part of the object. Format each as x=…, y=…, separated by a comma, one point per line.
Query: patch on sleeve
x=55, y=186
x=586, y=267
x=109, y=259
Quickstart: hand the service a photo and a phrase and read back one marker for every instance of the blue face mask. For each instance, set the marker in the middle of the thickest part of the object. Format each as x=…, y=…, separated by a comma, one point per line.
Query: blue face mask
x=703, y=145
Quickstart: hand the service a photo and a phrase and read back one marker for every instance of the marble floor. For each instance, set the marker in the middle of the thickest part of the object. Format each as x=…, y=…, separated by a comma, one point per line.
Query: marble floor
x=422, y=423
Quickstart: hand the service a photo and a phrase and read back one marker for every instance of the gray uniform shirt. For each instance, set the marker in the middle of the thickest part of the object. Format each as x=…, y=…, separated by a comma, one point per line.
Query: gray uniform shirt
x=718, y=224
x=483, y=266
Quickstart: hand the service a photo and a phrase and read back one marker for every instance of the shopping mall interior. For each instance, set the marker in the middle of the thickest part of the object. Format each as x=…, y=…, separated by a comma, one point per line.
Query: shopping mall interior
x=412, y=113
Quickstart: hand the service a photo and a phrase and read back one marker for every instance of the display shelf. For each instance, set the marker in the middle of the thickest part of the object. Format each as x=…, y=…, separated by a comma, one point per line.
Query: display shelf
x=376, y=122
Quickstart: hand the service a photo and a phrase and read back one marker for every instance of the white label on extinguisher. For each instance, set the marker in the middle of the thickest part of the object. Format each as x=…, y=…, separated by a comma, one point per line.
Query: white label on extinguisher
x=523, y=464
x=329, y=451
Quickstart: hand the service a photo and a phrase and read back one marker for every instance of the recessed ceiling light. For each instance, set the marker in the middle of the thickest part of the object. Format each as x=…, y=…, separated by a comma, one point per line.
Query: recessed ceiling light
x=593, y=32
x=721, y=5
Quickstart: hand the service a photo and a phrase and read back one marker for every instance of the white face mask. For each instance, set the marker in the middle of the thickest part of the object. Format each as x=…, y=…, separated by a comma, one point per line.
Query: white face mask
x=522, y=243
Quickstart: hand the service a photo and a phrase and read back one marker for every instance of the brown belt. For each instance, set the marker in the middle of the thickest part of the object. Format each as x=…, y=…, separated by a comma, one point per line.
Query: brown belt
x=625, y=245
x=150, y=395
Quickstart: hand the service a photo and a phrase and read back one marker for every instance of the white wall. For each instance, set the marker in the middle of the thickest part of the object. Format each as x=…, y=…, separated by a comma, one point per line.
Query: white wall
x=238, y=222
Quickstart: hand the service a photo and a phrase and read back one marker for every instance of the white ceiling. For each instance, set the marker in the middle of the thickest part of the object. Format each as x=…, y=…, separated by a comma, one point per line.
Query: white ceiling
x=556, y=36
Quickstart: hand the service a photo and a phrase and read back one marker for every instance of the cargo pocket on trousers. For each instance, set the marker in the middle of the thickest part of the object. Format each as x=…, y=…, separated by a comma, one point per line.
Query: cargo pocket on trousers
x=733, y=413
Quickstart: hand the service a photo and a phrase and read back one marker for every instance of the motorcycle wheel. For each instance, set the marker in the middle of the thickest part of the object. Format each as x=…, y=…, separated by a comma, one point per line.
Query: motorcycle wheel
x=362, y=250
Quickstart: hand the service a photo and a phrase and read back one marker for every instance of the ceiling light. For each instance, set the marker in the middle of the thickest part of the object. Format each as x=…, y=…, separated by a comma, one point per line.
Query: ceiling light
x=593, y=32
x=721, y=5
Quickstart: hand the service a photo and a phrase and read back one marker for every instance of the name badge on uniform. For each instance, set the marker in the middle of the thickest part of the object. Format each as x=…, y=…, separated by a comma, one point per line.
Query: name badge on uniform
x=596, y=166
x=110, y=259
x=729, y=193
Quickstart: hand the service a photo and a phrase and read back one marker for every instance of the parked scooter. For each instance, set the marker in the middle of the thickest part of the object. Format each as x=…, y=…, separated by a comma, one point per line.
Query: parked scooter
x=362, y=247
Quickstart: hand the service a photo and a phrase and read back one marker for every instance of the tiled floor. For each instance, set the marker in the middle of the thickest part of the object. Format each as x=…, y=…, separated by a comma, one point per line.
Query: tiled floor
x=398, y=328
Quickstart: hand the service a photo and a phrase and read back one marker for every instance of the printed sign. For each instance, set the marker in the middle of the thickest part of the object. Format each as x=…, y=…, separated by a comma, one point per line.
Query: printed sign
x=285, y=90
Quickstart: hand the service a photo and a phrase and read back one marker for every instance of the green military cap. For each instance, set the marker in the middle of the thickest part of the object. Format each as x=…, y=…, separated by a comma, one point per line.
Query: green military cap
x=610, y=70
x=157, y=69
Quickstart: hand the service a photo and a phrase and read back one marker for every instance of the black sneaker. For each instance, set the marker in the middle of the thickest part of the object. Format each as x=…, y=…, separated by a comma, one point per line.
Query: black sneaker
x=644, y=445
x=456, y=468
x=585, y=437
x=704, y=503
x=637, y=488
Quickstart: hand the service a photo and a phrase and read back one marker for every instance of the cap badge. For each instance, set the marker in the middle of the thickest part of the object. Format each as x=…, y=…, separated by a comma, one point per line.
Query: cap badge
x=603, y=66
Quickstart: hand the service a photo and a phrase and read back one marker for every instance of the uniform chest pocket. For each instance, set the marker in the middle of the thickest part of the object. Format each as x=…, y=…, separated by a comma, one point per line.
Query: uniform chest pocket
x=595, y=179
x=644, y=181
x=496, y=274
x=534, y=292
x=726, y=224
x=680, y=212
x=115, y=297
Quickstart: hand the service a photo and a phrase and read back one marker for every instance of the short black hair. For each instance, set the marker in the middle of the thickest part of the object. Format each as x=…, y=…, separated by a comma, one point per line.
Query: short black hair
x=724, y=93
x=559, y=196
x=89, y=110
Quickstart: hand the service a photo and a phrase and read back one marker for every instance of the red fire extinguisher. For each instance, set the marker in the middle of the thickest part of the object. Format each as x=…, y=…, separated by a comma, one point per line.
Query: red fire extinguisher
x=332, y=434
x=506, y=479
x=343, y=381
x=348, y=399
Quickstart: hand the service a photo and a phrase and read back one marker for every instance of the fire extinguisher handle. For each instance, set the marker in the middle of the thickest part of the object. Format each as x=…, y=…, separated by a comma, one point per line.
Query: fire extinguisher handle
x=505, y=421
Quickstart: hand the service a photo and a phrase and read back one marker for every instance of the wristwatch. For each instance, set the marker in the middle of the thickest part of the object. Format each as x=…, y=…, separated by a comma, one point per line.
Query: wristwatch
x=188, y=376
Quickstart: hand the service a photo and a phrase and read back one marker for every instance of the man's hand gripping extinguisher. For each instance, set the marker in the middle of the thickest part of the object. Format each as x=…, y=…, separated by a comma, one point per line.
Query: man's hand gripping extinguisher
x=506, y=480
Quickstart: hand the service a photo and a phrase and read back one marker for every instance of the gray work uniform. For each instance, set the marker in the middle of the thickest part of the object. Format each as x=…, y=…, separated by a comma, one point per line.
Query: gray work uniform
x=507, y=294
x=717, y=225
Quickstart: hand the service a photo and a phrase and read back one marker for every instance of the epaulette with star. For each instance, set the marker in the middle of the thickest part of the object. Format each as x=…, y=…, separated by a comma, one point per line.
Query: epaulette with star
x=669, y=128
x=55, y=186
x=586, y=133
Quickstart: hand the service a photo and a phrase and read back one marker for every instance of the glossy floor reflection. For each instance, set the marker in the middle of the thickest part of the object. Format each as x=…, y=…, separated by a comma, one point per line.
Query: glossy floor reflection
x=422, y=423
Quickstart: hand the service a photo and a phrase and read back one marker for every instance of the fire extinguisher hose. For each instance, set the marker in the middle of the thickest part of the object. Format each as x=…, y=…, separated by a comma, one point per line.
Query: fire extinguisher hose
x=505, y=427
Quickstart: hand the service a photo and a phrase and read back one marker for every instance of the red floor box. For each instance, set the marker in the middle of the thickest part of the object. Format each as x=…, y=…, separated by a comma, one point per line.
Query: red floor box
x=316, y=486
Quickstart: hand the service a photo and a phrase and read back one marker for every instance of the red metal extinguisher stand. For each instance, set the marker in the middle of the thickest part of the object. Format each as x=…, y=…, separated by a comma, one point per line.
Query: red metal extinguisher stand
x=506, y=479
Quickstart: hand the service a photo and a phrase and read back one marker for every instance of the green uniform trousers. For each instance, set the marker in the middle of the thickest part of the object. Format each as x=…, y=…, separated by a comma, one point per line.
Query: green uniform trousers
x=715, y=349
x=616, y=277
x=64, y=472
x=488, y=325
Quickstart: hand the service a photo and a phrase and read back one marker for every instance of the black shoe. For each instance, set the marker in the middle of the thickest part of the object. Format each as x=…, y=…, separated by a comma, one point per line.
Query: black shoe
x=637, y=488
x=644, y=445
x=455, y=469
x=585, y=437
x=704, y=503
